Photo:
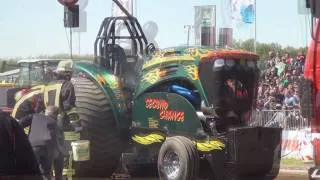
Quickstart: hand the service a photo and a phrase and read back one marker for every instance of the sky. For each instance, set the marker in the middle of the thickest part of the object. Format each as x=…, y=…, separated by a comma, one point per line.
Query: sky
x=35, y=27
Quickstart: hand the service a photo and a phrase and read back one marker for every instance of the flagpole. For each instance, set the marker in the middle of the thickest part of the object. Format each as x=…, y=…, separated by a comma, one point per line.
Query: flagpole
x=255, y=26
x=132, y=6
x=136, y=8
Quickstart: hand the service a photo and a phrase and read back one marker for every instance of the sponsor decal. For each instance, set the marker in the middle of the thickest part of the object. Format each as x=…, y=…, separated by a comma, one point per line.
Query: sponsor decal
x=159, y=104
x=148, y=138
x=153, y=123
x=172, y=115
x=165, y=114
x=118, y=94
x=209, y=145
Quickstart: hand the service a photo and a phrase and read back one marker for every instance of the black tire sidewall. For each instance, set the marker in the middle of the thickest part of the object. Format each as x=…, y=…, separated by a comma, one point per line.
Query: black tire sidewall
x=173, y=144
x=193, y=156
x=99, y=127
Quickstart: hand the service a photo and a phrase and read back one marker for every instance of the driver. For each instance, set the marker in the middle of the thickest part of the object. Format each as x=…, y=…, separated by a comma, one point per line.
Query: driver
x=234, y=94
x=236, y=88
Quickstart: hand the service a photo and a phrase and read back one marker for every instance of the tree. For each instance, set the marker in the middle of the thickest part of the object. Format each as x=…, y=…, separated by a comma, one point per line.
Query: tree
x=263, y=49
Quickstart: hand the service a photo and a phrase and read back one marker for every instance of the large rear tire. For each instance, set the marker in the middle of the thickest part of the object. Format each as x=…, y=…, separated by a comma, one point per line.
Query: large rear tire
x=106, y=141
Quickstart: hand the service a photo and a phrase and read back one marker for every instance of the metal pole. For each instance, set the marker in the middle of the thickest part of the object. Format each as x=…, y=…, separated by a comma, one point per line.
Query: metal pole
x=79, y=43
x=188, y=36
x=188, y=29
x=255, y=26
x=122, y=8
x=132, y=7
x=70, y=43
x=136, y=9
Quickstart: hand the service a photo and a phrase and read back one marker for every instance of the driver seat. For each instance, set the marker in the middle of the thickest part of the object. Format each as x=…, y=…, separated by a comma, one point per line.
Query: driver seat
x=127, y=71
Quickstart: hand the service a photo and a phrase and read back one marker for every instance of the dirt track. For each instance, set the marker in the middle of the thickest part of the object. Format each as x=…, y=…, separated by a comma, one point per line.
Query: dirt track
x=280, y=177
x=292, y=177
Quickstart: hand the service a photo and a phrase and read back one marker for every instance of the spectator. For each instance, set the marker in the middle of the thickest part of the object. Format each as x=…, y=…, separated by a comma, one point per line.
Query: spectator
x=45, y=138
x=278, y=84
x=277, y=58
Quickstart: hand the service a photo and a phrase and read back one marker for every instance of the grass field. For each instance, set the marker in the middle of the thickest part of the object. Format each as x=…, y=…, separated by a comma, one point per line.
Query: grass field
x=294, y=164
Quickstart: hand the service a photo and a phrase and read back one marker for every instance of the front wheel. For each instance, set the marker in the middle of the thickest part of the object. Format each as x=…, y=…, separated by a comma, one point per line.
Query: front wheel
x=178, y=159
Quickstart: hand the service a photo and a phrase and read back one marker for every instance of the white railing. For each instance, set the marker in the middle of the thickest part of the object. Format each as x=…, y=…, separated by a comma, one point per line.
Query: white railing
x=286, y=119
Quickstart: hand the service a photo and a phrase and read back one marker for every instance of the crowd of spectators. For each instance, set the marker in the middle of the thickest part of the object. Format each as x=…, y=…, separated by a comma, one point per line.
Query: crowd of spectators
x=278, y=86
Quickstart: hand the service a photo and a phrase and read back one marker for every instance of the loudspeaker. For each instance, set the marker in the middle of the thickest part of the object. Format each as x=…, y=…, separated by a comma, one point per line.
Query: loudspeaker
x=225, y=37
x=71, y=16
x=308, y=4
x=208, y=36
x=315, y=8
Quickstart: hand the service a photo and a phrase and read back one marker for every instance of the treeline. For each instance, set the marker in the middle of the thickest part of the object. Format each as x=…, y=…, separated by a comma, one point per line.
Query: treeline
x=263, y=49
x=11, y=64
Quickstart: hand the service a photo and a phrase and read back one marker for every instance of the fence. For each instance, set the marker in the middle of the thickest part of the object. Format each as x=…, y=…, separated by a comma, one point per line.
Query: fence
x=286, y=119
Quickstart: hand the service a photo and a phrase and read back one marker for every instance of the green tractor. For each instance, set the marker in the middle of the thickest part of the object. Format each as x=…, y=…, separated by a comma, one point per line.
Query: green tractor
x=183, y=109
x=186, y=113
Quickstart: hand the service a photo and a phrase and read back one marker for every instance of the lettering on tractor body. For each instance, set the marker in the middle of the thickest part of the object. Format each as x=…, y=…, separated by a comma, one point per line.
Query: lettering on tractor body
x=153, y=123
x=165, y=114
x=159, y=104
x=171, y=115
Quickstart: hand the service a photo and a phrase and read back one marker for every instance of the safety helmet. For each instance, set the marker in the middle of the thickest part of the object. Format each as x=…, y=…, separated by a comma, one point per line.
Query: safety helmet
x=65, y=66
x=19, y=94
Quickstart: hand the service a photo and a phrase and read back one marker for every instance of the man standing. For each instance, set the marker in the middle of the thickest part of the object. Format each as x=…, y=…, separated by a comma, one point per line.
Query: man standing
x=60, y=93
x=61, y=150
x=47, y=141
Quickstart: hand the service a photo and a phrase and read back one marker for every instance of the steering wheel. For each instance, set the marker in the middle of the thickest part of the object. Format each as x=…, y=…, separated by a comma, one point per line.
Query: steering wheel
x=150, y=48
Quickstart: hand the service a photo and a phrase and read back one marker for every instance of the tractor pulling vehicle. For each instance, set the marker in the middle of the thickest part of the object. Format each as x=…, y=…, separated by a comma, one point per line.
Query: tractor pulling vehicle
x=181, y=108
x=184, y=115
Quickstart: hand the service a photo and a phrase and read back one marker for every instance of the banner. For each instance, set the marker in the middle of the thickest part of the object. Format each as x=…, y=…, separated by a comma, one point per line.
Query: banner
x=243, y=11
x=297, y=145
x=127, y=4
x=205, y=16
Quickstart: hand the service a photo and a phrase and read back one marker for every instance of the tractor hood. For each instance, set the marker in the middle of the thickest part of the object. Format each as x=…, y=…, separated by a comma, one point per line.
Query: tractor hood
x=229, y=79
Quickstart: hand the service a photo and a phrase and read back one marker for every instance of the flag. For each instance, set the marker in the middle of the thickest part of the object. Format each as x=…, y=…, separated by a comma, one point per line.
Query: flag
x=205, y=16
x=127, y=4
x=243, y=11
